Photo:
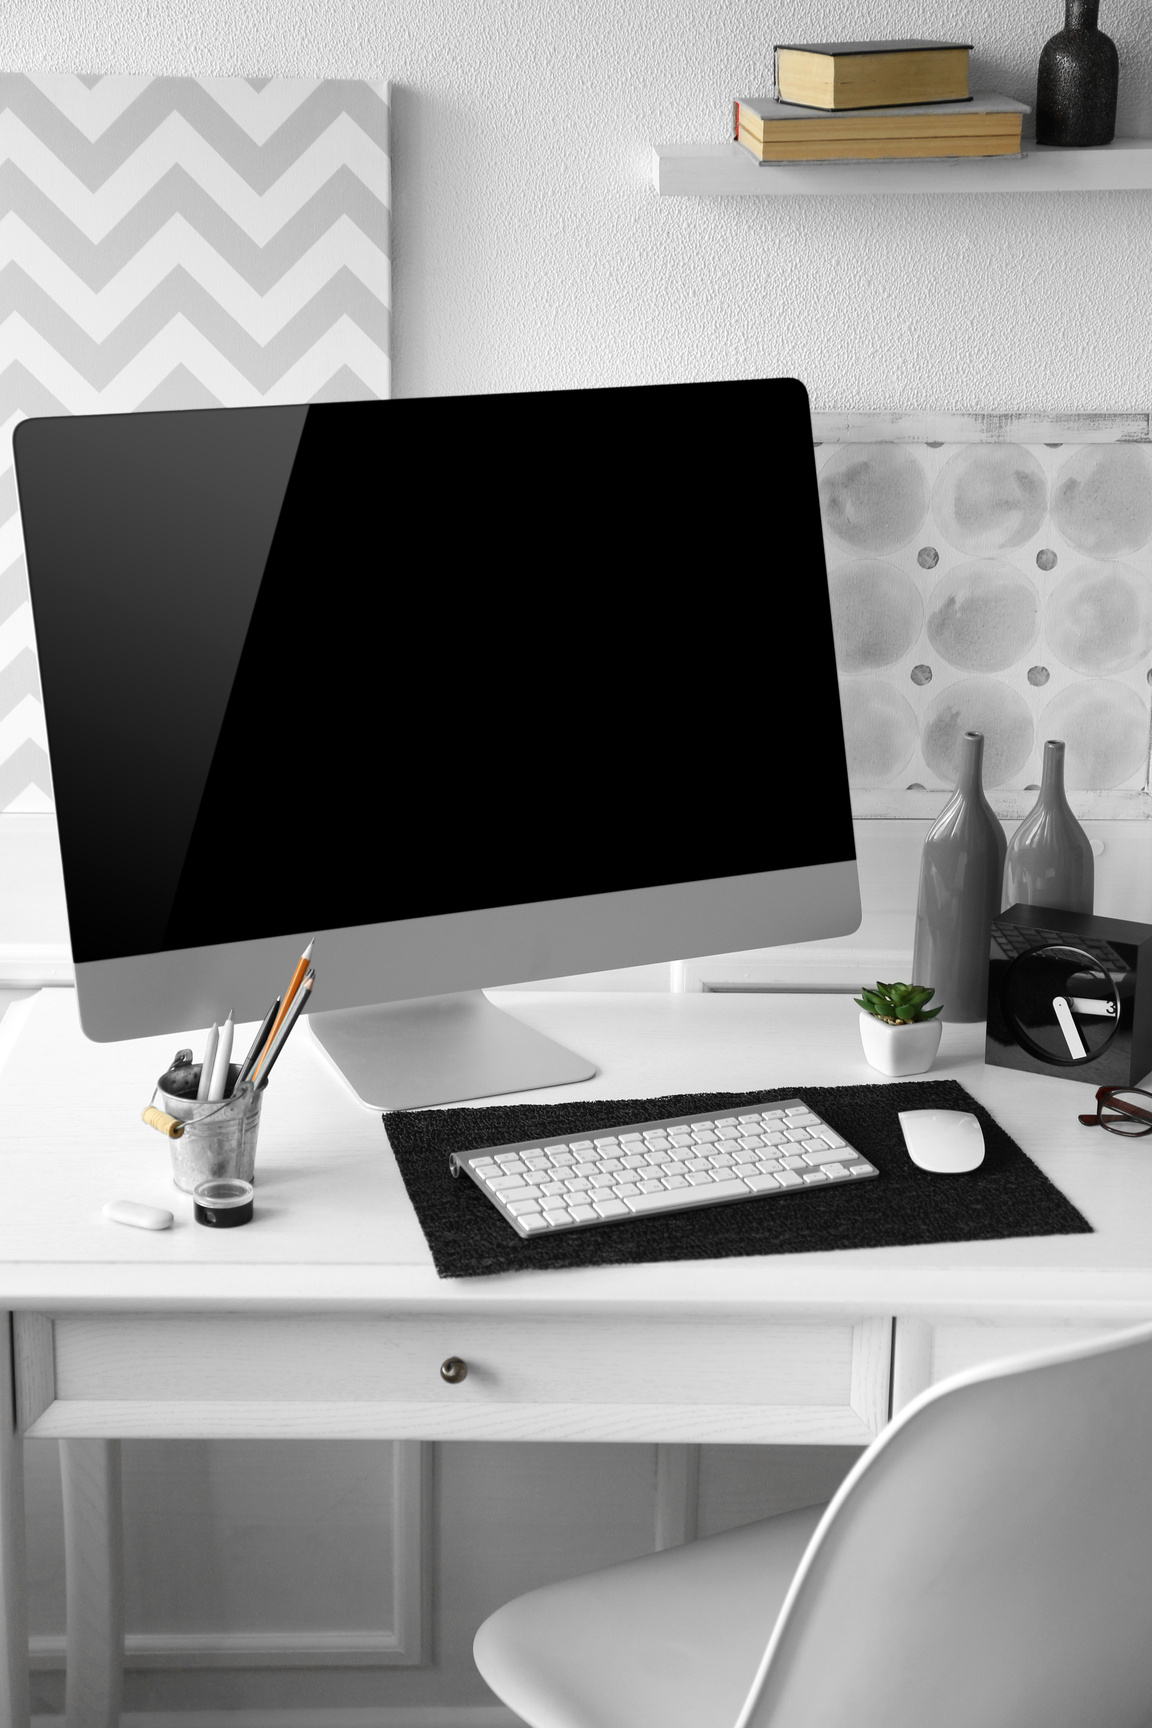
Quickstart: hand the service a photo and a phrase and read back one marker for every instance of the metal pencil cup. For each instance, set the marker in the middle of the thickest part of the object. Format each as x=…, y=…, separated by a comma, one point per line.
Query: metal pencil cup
x=220, y=1139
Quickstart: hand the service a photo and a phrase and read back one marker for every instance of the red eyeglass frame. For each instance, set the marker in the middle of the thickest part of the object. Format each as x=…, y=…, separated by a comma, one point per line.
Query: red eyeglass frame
x=1106, y=1094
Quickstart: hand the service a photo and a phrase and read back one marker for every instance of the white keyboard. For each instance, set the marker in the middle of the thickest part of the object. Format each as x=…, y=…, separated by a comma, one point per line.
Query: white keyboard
x=658, y=1167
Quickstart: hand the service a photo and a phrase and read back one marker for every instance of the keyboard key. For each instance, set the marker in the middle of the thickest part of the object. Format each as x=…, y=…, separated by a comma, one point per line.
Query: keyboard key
x=761, y=1184
x=598, y=1194
x=513, y=1167
x=522, y=1193
x=749, y=1118
x=831, y=1138
x=480, y=1163
x=861, y=1169
x=499, y=1183
x=560, y=1216
x=825, y=1155
x=551, y=1187
x=626, y=1189
x=584, y=1169
x=688, y=1196
x=583, y=1214
x=611, y=1164
x=576, y=1146
x=746, y=1170
x=608, y=1140
x=725, y=1122
x=816, y=1175
x=793, y=1162
x=834, y=1169
x=625, y=1138
x=804, y=1119
x=676, y=1168
x=563, y=1160
x=697, y=1177
x=616, y=1208
x=789, y=1179
x=675, y=1182
x=652, y=1187
x=533, y=1221
x=516, y=1207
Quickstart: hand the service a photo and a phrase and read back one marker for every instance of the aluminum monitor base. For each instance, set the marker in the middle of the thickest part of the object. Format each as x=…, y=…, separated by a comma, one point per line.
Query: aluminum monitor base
x=440, y=1050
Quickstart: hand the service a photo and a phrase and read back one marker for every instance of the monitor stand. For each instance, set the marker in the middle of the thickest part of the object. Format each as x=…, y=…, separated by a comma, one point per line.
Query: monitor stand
x=440, y=1050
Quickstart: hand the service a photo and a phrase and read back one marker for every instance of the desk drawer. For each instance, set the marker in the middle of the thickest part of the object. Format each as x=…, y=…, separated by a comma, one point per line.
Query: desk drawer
x=926, y=1352
x=568, y=1377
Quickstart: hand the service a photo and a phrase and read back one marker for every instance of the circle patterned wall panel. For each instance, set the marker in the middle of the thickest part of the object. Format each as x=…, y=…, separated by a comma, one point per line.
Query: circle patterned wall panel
x=1001, y=587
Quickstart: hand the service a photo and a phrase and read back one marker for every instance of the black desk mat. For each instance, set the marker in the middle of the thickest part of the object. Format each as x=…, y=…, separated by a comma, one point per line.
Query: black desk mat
x=1006, y=1196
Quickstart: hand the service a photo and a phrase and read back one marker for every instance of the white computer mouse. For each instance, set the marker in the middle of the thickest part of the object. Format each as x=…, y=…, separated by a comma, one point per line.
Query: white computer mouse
x=947, y=1142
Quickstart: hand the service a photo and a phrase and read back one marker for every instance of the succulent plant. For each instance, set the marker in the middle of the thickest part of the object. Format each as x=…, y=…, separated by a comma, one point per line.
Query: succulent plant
x=898, y=1004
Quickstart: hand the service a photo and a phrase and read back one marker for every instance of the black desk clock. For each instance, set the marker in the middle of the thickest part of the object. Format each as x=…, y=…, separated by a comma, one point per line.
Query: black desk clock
x=1070, y=994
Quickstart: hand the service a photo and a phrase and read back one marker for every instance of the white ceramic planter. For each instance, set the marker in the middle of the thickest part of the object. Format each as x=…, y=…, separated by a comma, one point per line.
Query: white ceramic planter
x=899, y=1049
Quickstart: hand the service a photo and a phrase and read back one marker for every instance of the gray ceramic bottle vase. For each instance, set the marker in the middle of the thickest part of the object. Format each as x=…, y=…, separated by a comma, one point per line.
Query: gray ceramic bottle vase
x=961, y=877
x=1050, y=859
x=1077, y=81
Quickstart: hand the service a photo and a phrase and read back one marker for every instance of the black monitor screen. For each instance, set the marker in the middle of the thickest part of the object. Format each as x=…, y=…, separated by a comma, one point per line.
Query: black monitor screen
x=328, y=666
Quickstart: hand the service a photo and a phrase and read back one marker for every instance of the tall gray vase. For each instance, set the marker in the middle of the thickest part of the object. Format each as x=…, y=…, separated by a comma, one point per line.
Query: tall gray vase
x=1049, y=860
x=961, y=874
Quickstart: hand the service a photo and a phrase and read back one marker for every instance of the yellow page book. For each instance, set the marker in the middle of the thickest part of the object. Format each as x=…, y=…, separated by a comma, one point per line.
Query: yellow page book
x=835, y=75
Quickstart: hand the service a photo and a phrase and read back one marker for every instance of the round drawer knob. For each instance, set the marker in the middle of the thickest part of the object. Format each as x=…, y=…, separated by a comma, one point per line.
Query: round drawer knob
x=454, y=1370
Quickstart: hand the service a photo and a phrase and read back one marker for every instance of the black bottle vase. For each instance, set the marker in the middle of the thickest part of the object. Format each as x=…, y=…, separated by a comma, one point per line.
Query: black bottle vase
x=1077, y=82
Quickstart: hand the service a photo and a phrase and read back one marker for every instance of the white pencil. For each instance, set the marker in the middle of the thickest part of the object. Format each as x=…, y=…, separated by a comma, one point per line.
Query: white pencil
x=219, y=1082
x=210, y=1044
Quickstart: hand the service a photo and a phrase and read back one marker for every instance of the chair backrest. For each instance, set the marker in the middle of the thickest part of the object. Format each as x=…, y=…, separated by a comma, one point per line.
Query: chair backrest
x=988, y=1562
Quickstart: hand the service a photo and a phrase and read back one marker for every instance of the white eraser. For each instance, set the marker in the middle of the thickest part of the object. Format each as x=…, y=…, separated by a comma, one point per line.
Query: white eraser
x=143, y=1217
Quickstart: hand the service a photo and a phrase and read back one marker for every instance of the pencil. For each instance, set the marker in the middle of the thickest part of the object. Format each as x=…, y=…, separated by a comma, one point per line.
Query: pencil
x=210, y=1044
x=258, y=1042
x=286, y=1003
x=299, y=1003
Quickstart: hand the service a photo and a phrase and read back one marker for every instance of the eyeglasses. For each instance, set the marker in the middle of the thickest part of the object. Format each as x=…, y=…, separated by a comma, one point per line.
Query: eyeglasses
x=1122, y=1110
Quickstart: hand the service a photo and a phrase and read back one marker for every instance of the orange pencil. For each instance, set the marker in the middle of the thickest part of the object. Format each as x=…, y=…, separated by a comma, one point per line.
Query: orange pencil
x=294, y=985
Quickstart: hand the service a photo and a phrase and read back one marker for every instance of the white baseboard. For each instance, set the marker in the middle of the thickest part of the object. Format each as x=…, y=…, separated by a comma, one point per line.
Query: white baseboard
x=403, y=1716
x=47, y=1651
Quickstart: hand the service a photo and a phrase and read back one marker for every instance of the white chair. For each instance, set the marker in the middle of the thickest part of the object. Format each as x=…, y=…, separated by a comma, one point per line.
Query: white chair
x=986, y=1564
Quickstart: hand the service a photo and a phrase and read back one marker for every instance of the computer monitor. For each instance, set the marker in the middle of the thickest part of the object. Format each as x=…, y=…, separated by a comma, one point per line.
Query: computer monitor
x=471, y=690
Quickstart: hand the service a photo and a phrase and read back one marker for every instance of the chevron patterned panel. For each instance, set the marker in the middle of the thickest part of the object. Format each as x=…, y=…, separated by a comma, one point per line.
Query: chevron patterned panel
x=176, y=243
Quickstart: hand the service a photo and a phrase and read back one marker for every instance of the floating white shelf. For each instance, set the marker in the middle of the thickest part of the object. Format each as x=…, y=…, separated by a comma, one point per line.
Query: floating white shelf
x=728, y=170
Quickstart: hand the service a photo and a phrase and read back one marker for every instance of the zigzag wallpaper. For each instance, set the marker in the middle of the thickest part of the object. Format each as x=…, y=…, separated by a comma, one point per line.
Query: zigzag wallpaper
x=177, y=243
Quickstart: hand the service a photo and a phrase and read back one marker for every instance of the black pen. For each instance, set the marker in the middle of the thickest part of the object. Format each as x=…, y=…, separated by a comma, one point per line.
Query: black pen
x=258, y=1042
x=286, y=1025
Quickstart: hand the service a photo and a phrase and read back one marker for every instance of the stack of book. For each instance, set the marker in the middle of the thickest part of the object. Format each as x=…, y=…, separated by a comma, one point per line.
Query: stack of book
x=871, y=100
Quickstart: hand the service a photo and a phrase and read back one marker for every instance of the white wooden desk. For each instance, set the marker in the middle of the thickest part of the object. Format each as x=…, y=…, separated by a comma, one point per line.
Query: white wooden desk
x=325, y=1317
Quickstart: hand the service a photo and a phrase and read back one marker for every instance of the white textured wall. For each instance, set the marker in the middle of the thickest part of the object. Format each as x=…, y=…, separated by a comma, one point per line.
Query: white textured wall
x=531, y=251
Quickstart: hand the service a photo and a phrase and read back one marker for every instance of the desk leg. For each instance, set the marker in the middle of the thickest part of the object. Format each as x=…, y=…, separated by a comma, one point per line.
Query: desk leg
x=94, y=1562
x=15, y=1708
x=677, y=1494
